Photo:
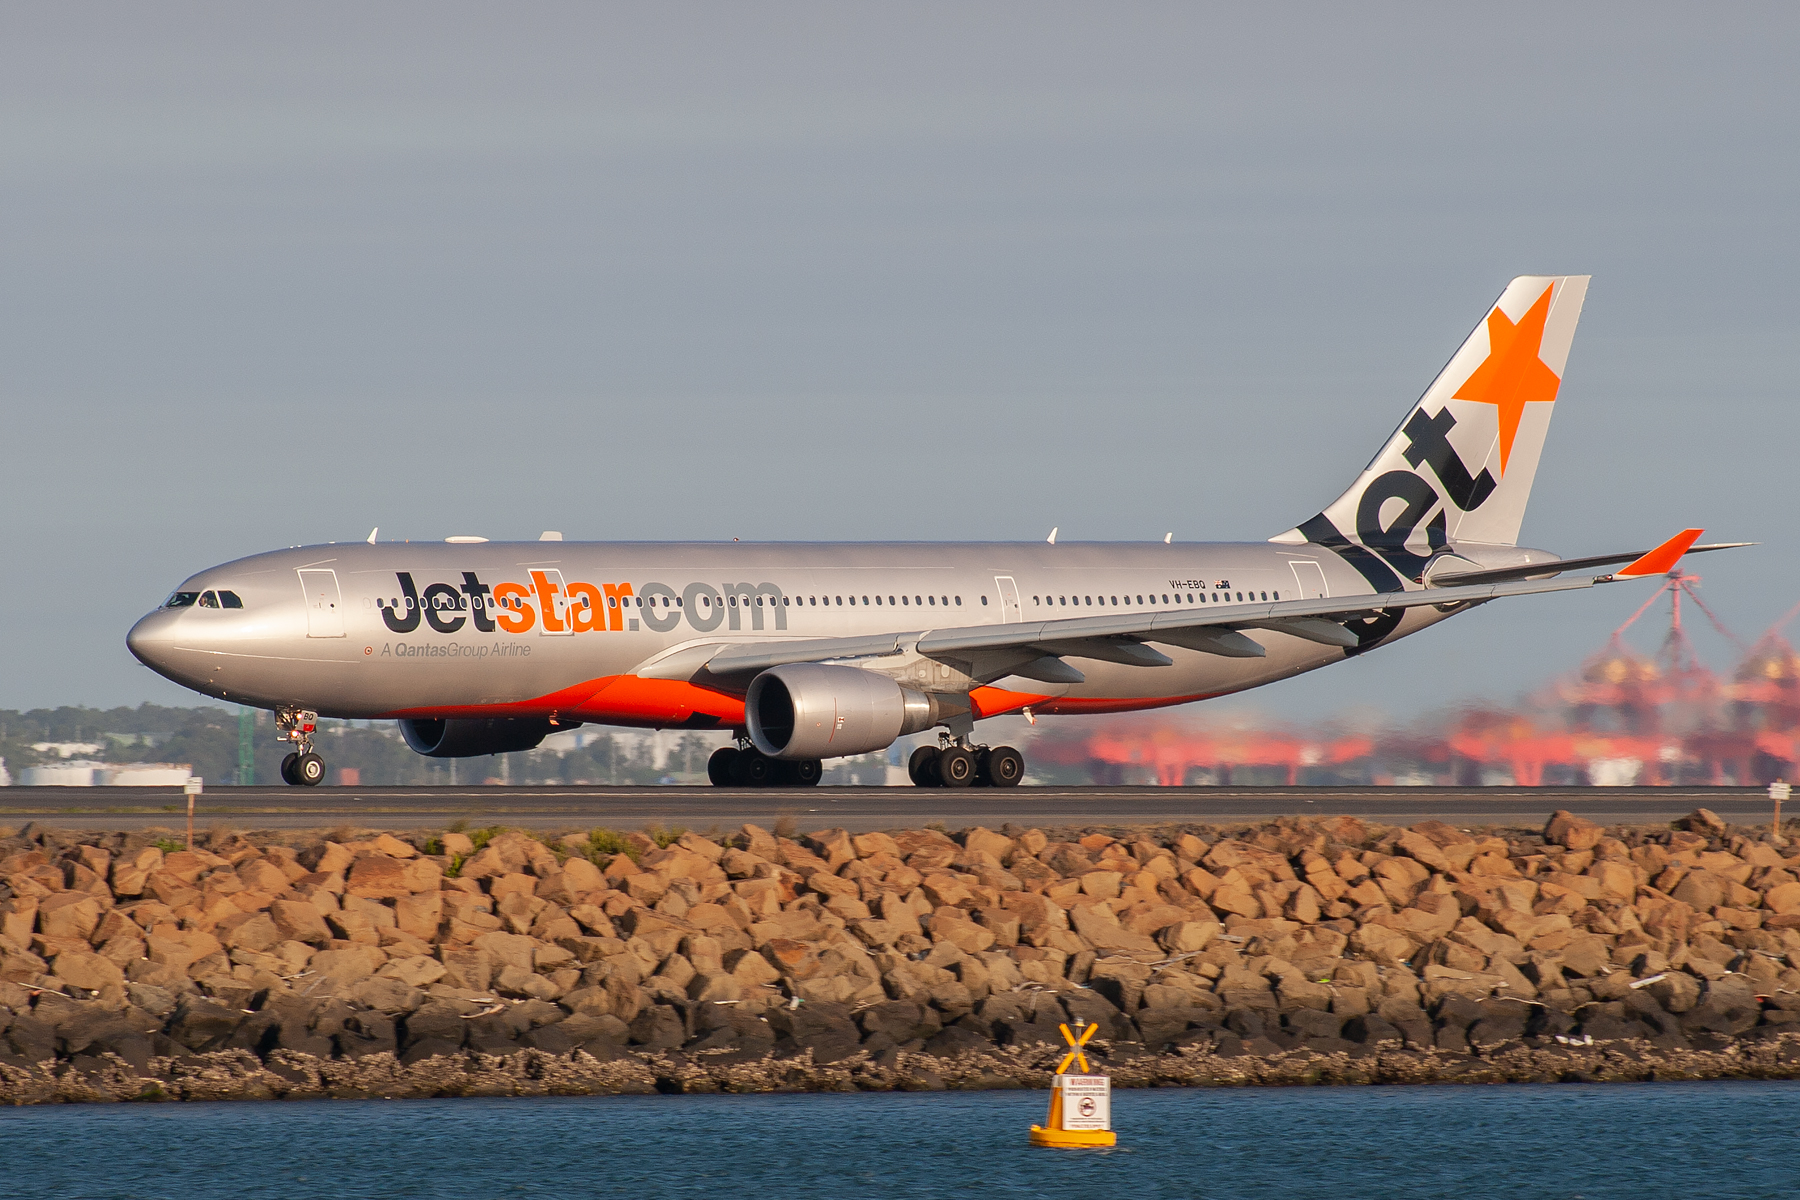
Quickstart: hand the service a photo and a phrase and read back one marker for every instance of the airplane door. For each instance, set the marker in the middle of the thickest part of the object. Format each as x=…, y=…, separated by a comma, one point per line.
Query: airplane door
x=1009, y=599
x=324, y=604
x=561, y=606
x=1311, y=578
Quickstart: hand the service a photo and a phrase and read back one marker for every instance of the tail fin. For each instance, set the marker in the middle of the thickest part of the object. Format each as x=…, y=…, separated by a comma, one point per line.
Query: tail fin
x=1460, y=466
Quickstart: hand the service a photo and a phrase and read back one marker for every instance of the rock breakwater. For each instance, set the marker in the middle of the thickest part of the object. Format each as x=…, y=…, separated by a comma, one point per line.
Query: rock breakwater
x=1300, y=951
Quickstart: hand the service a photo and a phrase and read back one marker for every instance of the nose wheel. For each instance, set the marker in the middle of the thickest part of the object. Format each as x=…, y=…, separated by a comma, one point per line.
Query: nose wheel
x=302, y=768
x=958, y=766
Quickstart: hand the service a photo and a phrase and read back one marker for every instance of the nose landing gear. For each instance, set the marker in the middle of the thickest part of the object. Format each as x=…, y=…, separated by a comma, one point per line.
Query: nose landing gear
x=302, y=768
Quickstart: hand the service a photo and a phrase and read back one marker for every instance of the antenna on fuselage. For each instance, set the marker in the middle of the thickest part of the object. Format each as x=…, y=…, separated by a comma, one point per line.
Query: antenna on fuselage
x=1168, y=537
x=372, y=534
x=1052, y=538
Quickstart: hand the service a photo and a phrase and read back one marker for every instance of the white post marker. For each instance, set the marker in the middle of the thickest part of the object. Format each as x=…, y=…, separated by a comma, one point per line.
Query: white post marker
x=192, y=788
x=1778, y=791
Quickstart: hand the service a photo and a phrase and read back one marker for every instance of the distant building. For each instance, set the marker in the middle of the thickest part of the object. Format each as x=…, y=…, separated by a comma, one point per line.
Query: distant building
x=77, y=773
x=87, y=773
x=147, y=774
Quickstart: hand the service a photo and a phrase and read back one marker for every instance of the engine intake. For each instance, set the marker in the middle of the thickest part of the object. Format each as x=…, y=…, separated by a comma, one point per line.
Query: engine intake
x=466, y=738
x=805, y=710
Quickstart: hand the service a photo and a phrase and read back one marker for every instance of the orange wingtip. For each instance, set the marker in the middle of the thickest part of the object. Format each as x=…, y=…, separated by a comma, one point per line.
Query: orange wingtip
x=1662, y=560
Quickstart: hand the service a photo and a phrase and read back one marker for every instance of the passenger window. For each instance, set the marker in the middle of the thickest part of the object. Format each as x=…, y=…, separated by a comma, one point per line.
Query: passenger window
x=1278, y=595
x=1115, y=601
x=1090, y=601
x=230, y=600
x=946, y=601
x=903, y=599
x=1265, y=595
x=959, y=602
x=984, y=599
x=932, y=600
x=1141, y=599
x=890, y=600
x=878, y=600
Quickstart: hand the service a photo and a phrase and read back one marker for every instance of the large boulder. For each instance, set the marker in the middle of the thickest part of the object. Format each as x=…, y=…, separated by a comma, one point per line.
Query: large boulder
x=299, y=921
x=201, y=1024
x=89, y=971
x=1566, y=829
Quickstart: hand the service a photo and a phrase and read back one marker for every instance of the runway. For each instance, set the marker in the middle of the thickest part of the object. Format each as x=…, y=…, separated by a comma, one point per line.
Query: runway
x=856, y=808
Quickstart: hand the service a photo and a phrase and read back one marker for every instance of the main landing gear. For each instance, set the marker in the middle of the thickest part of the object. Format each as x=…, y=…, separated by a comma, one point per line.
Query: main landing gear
x=956, y=765
x=302, y=768
x=733, y=766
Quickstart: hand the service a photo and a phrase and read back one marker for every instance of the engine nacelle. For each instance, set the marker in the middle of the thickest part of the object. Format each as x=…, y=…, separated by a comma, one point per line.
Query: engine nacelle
x=466, y=738
x=805, y=710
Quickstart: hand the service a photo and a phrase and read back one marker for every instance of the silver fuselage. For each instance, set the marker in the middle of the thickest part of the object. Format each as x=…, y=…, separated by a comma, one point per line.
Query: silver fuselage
x=414, y=630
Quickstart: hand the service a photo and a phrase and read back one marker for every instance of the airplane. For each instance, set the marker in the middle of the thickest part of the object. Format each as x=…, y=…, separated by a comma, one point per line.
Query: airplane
x=807, y=651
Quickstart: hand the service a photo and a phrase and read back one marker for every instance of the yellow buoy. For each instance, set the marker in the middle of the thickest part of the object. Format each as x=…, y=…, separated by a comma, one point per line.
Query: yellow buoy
x=1080, y=1105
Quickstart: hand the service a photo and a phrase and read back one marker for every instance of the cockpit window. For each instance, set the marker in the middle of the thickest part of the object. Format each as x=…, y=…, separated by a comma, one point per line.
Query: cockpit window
x=181, y=600
x=209, y=600
x=230, y=600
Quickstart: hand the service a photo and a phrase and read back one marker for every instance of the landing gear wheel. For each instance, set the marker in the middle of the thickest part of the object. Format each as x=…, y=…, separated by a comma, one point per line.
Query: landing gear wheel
x=718, y=767
x=806, y=772
x=309, y=770
x=955, y=767
x=751, y=769
x=287, y=769
x=922, y=767
x=1005, y=767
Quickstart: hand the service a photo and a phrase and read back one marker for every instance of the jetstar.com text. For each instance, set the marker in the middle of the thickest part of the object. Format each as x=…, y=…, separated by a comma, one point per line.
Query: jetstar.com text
x=548, y=604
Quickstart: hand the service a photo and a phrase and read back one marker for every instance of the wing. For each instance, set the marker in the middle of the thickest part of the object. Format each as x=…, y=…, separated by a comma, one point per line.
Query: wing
x=1120, y=637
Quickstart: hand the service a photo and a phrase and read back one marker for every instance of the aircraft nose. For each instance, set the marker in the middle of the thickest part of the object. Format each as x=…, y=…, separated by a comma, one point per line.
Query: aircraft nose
x=151, y=640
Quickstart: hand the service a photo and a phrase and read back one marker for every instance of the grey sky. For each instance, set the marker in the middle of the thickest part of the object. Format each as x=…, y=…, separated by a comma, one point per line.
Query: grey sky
x=272, y=275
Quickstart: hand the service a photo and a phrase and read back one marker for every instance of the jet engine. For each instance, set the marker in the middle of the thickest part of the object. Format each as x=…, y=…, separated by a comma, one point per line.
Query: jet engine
x=465, y=738
x=805, y=710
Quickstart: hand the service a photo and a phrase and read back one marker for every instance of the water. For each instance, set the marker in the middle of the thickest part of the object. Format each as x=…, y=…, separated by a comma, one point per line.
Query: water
x=1555, y=1142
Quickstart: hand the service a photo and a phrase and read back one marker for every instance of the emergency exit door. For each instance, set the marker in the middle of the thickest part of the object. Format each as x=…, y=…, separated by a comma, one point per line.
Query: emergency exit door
x=1009, y=599
x=324, y=604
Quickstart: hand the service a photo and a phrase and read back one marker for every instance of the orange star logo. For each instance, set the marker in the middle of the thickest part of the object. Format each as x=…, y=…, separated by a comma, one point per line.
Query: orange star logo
x=1513, y=375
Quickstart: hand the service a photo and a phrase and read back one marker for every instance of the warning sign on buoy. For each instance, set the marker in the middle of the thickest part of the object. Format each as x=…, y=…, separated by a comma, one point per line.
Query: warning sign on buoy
x=1080, y=1105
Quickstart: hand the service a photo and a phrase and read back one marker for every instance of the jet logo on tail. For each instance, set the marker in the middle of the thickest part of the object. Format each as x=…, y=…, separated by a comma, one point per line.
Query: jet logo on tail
x=1446, y=475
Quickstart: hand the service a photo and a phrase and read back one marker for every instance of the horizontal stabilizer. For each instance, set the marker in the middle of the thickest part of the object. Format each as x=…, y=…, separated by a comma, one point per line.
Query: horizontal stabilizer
x=1661, y=560
x=1545, y=569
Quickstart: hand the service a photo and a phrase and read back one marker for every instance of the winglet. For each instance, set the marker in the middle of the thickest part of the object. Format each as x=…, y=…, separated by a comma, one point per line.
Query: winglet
x=1661, y=560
